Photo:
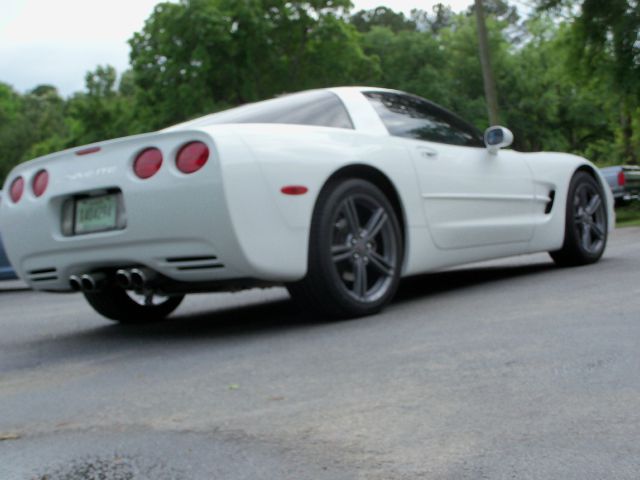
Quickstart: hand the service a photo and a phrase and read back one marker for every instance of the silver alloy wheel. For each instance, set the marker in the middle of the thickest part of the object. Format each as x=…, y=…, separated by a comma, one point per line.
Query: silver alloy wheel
x=589, y=218
x=363, y=248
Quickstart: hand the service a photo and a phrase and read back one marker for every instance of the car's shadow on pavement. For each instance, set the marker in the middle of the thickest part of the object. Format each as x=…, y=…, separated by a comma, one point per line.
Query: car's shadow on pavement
x=413, y=288
x=286, y=314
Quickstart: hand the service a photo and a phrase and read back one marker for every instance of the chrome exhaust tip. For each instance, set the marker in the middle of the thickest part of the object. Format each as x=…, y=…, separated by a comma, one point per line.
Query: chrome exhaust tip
x=123, y=278
x=141, y=276
x=75, y=283
x=92, y=282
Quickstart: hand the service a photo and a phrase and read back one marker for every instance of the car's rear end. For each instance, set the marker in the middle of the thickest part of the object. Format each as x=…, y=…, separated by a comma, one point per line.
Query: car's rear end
x=153, y=202
x=630, y=180
x=624, y=182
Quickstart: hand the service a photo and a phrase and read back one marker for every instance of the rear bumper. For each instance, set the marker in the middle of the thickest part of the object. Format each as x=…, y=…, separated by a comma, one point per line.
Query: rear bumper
x=183, y=233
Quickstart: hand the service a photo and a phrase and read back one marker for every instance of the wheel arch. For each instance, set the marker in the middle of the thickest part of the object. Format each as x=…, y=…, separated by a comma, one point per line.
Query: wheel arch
x=380, y=180
x=606, y=190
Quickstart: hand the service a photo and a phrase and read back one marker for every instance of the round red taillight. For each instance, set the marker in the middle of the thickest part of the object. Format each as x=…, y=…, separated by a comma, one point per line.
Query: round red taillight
x=147, y=163
x=40, y=183
x=16, y=190
x=192, y=157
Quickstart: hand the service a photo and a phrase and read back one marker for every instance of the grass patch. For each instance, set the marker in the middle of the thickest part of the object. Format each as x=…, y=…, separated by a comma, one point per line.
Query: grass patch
x=629, y=215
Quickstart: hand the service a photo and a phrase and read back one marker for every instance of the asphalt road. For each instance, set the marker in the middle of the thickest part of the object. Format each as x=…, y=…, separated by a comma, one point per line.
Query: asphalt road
x=507, y=370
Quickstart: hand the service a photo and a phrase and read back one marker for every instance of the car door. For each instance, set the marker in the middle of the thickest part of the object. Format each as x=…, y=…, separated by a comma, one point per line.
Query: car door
x=471, y=198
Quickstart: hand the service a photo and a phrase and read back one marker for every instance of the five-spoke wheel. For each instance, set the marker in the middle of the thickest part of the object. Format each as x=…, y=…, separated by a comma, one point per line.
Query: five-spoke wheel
x=585, y=224
x=364, y=247
x=355, y=251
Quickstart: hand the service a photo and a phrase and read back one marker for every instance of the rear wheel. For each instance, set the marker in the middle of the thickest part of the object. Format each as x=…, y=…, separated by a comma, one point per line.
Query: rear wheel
x=355, y=252
x=585, y=224
x=123, y=306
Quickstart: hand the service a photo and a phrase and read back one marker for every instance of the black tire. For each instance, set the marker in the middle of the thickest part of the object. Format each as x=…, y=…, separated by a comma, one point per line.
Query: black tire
x=355, y=252
x=115, y=304
x=586, y=223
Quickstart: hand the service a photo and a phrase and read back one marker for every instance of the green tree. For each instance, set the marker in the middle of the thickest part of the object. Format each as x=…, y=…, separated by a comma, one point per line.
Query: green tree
x=197, y=56
x=606, y=35
x=365, y=20
x=545, y=107
x=410, y=61
x=12, y=133
x=103, y=111
x=27, y=120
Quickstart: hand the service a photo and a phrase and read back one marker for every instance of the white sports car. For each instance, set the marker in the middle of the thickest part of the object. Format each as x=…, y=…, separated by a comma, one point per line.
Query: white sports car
x=335, y=193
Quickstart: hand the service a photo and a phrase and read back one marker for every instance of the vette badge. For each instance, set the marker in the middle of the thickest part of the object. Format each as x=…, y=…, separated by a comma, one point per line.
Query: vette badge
x=92, y=173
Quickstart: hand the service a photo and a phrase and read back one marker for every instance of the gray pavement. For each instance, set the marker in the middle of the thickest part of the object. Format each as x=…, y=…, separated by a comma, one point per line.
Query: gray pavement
x=504, y=370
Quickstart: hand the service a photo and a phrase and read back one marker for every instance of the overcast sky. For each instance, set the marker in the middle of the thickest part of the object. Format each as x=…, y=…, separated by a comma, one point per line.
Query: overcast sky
x=58, y=41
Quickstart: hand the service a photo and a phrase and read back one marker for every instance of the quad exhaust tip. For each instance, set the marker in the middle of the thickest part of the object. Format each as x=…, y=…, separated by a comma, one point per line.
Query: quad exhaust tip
x=89, y=282
x=75, y=283
x=123, y=278
x=141, y=277
x=92, y=281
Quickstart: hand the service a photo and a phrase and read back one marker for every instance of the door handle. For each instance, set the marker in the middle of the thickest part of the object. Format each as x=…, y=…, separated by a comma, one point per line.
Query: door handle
x=427, y=152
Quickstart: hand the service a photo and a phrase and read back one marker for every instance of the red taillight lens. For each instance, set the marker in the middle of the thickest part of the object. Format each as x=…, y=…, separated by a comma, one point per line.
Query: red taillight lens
x=192, y=157
x=147, y=163
x=621, y=179
x=16, y=190
x=40, y=183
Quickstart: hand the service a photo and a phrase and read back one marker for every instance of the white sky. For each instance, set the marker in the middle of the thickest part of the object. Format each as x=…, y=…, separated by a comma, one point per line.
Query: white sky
x=58, y=41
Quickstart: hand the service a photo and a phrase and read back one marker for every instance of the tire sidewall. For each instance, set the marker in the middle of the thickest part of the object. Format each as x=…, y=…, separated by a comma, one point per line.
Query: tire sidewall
x=320, y=258
x=572, y=239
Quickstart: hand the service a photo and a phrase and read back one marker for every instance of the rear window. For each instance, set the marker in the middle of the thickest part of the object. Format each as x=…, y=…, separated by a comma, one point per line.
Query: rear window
x=319, y=107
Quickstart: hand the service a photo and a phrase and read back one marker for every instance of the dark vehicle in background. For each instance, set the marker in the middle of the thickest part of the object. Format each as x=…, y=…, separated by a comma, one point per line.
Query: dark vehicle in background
x=6, y=271
x=624, y=181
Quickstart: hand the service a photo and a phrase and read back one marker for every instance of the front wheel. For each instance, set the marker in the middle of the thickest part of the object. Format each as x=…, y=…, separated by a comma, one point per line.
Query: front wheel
x=355, y=252
x=585, y=223
x=126, y=307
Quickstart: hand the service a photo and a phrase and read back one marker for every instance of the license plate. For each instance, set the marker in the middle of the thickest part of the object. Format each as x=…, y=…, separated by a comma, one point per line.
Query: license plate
x=96, y=214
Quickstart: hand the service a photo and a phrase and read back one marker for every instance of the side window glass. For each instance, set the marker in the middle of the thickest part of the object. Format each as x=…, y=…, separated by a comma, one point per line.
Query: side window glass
x=412, y=117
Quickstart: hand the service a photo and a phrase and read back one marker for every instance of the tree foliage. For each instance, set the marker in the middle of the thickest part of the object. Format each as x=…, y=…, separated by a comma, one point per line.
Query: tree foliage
x=198, y=55
x=365, y=20
x=606, y=45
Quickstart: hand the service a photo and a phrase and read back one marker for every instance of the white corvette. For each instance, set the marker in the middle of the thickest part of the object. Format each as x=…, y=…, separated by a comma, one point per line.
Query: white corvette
x=335, y=193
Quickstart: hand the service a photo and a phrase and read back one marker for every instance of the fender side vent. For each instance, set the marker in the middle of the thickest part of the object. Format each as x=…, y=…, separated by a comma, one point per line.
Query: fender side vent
x=549, y=207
